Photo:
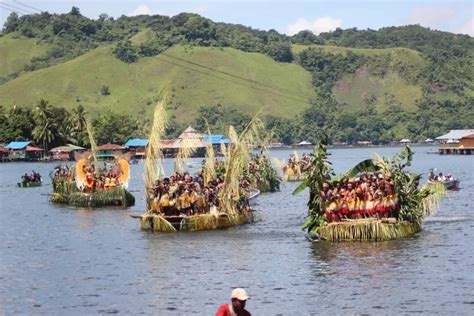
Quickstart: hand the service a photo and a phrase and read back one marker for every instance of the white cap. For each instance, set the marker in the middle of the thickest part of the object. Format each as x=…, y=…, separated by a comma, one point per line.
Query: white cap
x=239, y=294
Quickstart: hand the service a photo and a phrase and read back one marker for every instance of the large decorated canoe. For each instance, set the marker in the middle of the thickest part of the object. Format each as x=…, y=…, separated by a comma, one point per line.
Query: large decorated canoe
x=216, y=220
x=207, y=200
x=82, y=186
x=376, y=200
x=295, y=169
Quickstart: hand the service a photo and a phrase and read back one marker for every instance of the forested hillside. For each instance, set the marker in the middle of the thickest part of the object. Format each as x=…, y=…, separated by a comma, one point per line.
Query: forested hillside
x=397, y=82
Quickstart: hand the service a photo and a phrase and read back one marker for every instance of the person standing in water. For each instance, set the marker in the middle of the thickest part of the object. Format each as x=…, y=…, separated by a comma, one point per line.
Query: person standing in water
x=237, y=306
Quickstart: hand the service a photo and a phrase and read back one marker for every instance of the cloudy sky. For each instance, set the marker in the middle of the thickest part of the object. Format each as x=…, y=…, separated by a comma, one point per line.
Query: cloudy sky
x=284, y=16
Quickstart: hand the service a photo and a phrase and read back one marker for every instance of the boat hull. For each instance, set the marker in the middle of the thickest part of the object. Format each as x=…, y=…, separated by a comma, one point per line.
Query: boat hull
x=28, y=184
x=451, y=185
x=113, y=197
x=196, y=222
x=365, y=230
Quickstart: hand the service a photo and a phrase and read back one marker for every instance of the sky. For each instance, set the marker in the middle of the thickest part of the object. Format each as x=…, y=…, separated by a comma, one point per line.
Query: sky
x=287, y=17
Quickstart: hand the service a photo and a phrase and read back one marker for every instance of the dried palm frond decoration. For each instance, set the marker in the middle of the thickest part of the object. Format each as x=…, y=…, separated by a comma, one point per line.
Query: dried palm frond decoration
x=413, y=204
x=90, y=134
x=366, y=230
x=113, y=197
x=210, y=161
x=155, y=222
x=153, y=164
x=236, y=159
x=187, y=146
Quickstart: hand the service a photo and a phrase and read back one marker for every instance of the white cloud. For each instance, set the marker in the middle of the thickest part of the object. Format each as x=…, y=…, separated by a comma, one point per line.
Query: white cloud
x=322, y=24
x=467, y=28
x=431, y=16
x=142, y=9
x=201, y=9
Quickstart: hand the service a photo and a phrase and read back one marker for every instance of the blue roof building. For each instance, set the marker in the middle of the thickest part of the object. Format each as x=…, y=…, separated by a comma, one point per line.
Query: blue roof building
x=18, y=145
x=215, y=139
x=136, y=142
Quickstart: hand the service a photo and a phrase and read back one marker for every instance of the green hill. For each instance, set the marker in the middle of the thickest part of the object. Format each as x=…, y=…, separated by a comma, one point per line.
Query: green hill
x=17, y=52
x=134, y=87
x=355, y=90
x=360, y=84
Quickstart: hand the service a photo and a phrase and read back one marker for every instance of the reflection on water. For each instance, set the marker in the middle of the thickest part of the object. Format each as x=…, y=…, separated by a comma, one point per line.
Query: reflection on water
x=58, y=259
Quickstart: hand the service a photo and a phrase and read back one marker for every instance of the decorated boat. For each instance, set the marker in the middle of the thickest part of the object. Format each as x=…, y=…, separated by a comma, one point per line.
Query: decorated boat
x=88, y=185
x=204, y=201
x=261, y=174
x=376, y=200
x=295, y=169
x=449, y=182
x=29, y=181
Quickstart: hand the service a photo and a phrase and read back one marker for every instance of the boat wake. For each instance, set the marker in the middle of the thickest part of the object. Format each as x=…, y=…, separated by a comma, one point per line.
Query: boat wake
x=438, y=219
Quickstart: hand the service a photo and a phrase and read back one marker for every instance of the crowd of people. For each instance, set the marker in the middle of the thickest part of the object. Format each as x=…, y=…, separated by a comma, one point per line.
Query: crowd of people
x=34, y=177
x=369, y=195
x=106, y=179
x=182, y=194
x=63, y=172
x=295, y=166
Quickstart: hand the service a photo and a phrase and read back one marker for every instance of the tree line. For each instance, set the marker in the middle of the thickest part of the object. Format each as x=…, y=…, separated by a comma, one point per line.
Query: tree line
x=50, y=126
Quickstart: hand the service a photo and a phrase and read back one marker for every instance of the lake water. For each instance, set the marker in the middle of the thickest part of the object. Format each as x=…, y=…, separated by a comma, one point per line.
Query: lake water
x=68, y=261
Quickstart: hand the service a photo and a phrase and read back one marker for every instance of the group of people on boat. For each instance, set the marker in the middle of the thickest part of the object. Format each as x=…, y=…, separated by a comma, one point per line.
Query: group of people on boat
x=261, y=174
x=106, y=179
x=440, y=177
x=63, y=172
x=369, y=195
x=34, y=177
x=295, y=166
x=182, y=194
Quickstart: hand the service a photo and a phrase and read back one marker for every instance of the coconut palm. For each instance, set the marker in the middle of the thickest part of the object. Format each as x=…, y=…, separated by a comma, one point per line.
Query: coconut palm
x=45, y=127
x=79, y=117
x=43, y=133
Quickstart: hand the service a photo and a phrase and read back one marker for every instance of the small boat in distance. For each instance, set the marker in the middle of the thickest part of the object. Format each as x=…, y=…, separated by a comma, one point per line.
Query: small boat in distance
x=29, y=181
x=450, y=183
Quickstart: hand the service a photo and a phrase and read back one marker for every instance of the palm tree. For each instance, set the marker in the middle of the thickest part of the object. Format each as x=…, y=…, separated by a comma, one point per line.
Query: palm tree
x=79, y=115
x=44, y=109
x=67, y=131
x=79, y=120
x=44, y=131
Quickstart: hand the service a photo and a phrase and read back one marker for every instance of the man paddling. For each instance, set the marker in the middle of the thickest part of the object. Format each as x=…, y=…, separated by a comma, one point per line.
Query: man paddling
x=237, y=307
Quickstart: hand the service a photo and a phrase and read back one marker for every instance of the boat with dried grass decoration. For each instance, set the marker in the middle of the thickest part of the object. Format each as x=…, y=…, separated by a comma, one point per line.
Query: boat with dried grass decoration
x=295, y=169
x=167, y=209
x=89, y=188
x=376, y=200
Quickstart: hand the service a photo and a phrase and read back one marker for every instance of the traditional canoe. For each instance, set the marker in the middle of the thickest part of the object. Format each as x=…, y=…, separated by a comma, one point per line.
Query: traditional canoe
x=207, y=221
x=113, y=197
x=369, y=229
x=28, y=184
x=155, y=222
x=451, y=185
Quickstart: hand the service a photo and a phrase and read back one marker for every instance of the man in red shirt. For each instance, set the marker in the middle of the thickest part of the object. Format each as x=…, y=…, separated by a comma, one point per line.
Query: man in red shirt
x=237, y=308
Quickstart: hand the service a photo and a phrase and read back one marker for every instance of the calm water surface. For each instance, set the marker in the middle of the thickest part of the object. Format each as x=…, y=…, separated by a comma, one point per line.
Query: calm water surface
x=68, y=261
